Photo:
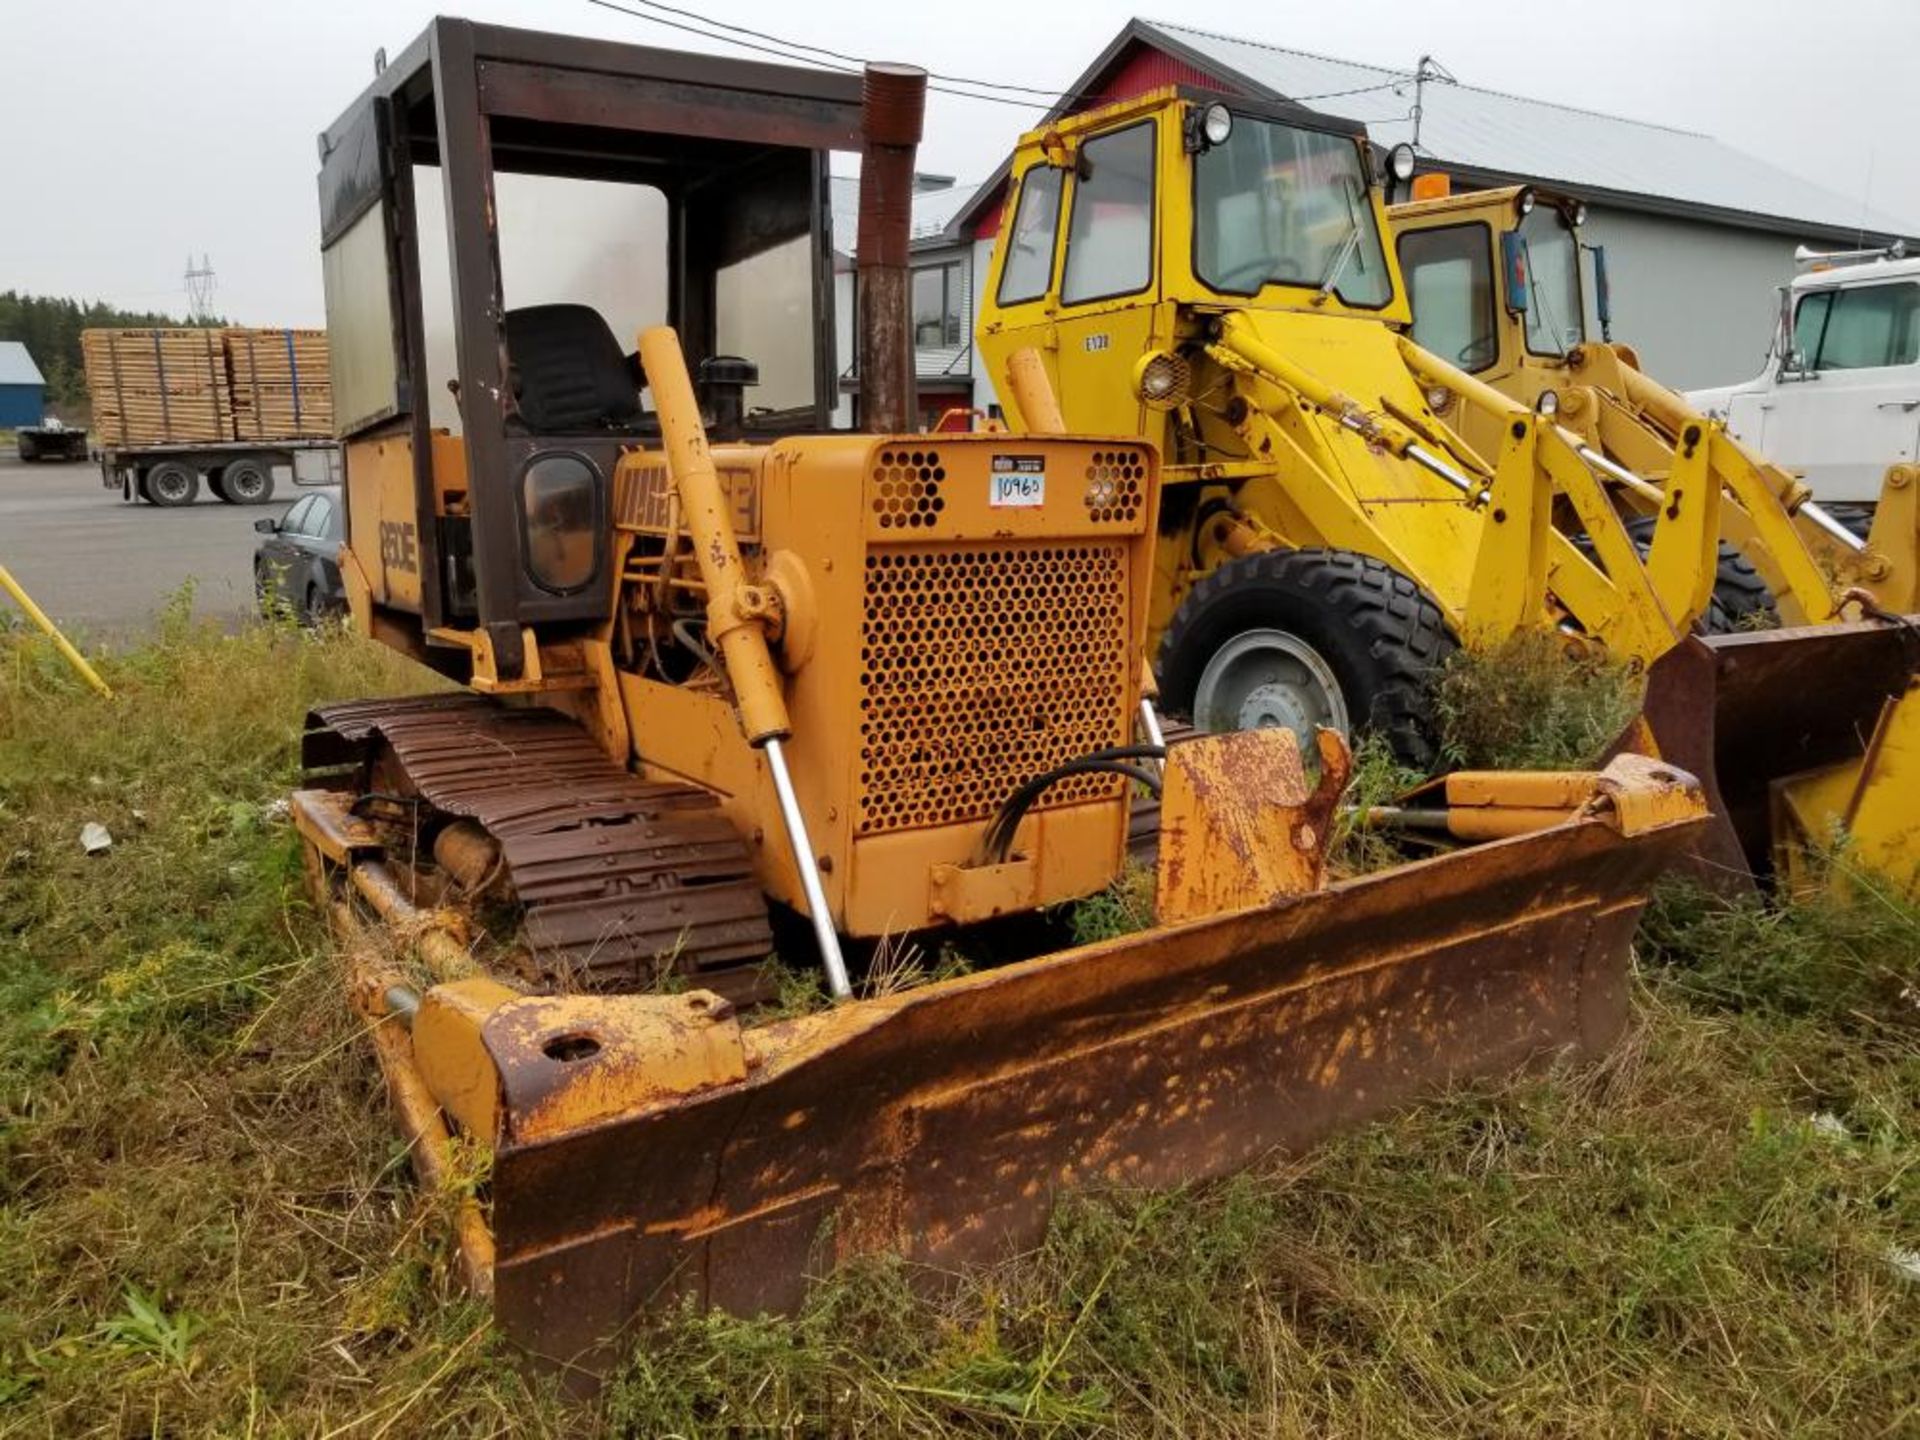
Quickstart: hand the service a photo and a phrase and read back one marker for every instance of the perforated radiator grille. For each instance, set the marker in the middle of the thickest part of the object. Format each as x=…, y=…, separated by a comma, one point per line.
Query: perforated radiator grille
x=983, y=665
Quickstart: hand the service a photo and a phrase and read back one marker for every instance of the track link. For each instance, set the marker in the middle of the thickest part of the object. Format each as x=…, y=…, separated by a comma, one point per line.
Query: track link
x=618, y=877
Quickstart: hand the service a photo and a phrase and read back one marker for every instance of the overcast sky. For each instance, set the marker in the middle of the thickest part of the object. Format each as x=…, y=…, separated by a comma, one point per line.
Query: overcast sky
x=137, y=131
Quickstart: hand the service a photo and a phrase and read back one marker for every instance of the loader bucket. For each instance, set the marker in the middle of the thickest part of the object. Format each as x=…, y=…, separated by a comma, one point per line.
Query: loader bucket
x=1746, y=711
x=649, y=1149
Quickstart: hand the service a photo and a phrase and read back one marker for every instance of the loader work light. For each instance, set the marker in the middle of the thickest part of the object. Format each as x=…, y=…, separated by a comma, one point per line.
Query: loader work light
x=1201, y=130
x=1523, y=202
x=1400, y=161
x=1162, y=380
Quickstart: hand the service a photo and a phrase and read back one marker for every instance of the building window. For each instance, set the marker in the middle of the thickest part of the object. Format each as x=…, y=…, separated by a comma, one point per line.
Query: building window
x=1861, y=328
x=937, y=297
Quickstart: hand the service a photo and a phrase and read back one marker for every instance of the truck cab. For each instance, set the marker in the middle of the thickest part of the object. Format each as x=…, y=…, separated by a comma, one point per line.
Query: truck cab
x=1839, y=399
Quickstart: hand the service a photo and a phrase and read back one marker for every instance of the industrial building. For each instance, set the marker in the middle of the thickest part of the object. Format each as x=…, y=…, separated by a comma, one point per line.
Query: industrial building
x=23, y=390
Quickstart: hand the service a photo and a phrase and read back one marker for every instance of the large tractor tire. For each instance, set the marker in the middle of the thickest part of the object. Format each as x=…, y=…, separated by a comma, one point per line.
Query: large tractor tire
x=170, y=483
x=1741, y=599
x=1309, y=637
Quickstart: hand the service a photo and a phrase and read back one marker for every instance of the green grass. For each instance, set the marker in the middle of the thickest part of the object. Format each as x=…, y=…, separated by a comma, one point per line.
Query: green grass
x=1531, y=704
x=206, y=1226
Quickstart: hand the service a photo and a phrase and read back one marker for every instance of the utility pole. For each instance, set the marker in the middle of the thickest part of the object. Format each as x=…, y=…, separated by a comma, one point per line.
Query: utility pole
x=200, y=290
x=1427, y=69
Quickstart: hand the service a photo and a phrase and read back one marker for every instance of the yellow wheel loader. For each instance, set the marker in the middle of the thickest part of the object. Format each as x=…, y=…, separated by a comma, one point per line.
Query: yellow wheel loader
x=1214, y=275
x=1799, y=734
x=732, y=687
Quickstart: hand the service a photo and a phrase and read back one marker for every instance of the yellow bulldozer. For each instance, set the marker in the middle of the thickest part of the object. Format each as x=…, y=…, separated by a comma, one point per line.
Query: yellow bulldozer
x=1798, y=733
x=1344, y=507
x=739, y=696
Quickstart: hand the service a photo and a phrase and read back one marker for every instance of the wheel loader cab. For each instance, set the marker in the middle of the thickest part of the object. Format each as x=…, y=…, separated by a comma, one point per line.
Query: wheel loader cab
x=1132, y=226
x=1499, y=287
x=489, y=203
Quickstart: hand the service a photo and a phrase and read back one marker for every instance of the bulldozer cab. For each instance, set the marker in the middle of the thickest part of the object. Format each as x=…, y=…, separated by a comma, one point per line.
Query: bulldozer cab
x=501, y=212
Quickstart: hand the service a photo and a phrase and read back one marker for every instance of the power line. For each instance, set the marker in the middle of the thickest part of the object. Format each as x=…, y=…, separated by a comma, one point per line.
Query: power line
x=784, y=49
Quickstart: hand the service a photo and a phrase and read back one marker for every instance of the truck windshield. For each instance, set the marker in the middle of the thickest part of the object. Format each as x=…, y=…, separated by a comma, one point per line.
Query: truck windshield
x=1555, y=322
x=1279, y=205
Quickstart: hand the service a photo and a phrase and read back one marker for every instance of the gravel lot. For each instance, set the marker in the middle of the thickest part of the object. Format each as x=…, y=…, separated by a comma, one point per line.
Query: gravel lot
x=103, y=568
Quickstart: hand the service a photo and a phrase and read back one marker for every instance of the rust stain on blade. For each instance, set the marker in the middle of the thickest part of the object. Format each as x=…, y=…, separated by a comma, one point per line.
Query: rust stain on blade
x=942, y=1123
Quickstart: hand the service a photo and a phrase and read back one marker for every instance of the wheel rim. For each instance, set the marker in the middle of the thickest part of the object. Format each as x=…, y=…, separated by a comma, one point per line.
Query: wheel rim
x=246, y=482
x=169, y=484
x=1263, y=679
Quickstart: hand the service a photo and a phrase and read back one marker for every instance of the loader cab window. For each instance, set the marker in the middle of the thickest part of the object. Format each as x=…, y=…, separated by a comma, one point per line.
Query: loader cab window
x=1279, y=205
x=1028, y=271
x=1449, y=273
x=1556, y=318
x=1859, y=328
x=1110, y=237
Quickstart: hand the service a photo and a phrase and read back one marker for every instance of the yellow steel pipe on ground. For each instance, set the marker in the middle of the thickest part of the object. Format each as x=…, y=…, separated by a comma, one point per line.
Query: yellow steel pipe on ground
x=60, y=642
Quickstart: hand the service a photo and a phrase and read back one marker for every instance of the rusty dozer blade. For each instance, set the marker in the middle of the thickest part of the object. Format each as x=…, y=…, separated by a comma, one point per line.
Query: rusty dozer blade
x=1749, y=712
x=650, y=1148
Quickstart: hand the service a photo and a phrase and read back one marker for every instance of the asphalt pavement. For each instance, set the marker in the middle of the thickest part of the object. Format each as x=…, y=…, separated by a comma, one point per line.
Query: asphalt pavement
x=104, y=568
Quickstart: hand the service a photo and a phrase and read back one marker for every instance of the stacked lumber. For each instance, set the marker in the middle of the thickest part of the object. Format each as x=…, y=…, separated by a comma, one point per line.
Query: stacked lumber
x=158, y=387
x=282, y=389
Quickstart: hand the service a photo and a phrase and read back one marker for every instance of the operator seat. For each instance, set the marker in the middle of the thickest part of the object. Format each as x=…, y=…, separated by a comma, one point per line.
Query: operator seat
x=567, y=371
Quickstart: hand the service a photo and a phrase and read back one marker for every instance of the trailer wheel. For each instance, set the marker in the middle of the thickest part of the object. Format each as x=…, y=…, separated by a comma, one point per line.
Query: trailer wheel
x=172, y=482
x=246, y=481
x=1309, y=637
x=28, y=452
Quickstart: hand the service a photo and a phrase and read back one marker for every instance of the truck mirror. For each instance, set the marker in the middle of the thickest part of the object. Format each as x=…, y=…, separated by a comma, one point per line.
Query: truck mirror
x=268, y=526
x=1513, y=259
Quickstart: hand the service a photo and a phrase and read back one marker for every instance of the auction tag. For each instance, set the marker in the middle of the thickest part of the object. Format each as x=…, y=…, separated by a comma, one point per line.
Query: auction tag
x=1018, y=480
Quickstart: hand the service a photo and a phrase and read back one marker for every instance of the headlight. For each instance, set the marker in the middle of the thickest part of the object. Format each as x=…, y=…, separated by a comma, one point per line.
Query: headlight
x=1523, y=202
x=1400, y=161
x=1162, y=379
x=1548, y=404
x=1438, y=399
x=1217, y=124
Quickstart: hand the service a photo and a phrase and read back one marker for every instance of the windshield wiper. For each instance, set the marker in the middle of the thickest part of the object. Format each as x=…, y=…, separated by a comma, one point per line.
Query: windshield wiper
x=1349, y=243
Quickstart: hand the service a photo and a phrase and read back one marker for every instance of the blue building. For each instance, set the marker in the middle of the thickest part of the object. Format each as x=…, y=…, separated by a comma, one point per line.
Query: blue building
x=23, y=390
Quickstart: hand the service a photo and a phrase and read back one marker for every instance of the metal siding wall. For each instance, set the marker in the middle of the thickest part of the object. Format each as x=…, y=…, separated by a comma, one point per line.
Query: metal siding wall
x=21, y=405
x=1695, y=299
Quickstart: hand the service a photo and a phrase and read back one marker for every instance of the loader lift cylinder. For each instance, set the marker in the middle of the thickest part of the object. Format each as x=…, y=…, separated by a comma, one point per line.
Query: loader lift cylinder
x=893, y=106
x=737, y=615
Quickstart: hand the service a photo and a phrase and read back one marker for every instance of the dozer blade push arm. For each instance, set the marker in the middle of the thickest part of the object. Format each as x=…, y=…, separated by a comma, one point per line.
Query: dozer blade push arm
x=738, y=614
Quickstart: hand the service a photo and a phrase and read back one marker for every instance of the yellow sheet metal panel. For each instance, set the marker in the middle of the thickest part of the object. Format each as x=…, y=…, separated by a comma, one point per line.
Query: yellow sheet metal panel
x=1240, y=826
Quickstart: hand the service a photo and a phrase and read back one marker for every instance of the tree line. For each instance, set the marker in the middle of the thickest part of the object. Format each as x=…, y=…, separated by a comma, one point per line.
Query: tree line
x=50, y=328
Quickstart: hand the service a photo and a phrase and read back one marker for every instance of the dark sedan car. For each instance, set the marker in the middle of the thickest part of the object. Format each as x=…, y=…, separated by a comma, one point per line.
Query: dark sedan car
x=297, y=566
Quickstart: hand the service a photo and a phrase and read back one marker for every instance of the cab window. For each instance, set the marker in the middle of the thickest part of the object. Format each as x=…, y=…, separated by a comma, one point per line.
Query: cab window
x=1110, y=238
x=1449, y=274
x=1858, y=329
x=1555, y=320
x=1036, y=220
x=1276, y=204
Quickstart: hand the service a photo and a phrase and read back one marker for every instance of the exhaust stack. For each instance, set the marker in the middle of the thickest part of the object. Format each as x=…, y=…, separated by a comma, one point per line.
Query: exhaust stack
x=894, y=107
